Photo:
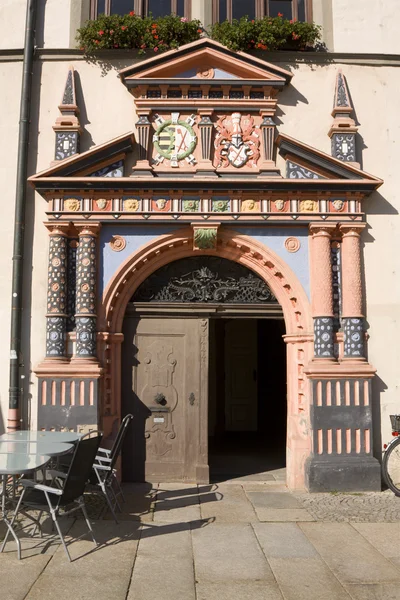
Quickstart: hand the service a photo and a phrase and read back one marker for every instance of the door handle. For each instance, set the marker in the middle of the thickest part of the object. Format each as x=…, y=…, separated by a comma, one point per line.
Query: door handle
x=191, y=398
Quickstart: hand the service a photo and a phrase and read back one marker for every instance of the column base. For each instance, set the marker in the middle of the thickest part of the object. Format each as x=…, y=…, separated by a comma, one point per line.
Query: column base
x=348, y=474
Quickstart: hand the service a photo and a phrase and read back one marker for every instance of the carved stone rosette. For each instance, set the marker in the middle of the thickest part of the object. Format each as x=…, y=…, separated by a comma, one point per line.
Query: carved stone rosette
x=322, y=290
x=353, y=321
x=86, y=273
x=57, y=292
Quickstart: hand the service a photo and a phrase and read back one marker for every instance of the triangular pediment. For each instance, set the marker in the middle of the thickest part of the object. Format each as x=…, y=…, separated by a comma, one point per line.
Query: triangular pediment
x=104, y=160
x=203, y=60
x=306, y=162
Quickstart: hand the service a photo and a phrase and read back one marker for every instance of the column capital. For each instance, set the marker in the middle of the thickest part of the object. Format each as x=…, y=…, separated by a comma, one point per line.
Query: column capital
x=92, y=228
x=352, y=229
x=322, y=229
x=57, y=228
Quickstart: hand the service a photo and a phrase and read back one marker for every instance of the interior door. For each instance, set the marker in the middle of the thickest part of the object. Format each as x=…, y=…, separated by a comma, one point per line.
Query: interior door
x=165, y=363
x=241, y=375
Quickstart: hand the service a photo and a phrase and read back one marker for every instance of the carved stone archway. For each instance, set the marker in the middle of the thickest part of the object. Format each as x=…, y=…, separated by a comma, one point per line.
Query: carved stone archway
x=282, y=282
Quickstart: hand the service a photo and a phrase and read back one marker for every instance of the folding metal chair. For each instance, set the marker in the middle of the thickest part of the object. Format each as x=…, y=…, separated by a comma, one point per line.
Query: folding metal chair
x=45, y=498
x=105, y=471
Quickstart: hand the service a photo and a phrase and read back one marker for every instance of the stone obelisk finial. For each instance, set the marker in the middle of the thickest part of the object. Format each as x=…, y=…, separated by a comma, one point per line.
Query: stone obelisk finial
x=343, y=130
x=67, y=127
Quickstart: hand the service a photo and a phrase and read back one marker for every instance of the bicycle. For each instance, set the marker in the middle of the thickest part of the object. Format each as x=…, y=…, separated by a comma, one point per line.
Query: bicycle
x=391, y=458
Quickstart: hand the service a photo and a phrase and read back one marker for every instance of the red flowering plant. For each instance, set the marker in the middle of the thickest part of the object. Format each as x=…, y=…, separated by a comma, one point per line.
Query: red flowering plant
x=269, y=33
x=133, y=32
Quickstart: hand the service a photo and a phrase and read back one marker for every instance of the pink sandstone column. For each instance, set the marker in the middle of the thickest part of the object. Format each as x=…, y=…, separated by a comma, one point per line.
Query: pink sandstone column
x=322, y=290
x=352, y=296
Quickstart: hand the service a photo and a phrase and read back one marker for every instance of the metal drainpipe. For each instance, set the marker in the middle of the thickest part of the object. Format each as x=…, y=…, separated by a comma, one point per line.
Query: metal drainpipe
x=19, y=221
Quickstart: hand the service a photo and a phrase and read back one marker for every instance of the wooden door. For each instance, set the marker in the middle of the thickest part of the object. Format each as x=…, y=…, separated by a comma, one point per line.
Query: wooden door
x=165, y=364
x=241, y=375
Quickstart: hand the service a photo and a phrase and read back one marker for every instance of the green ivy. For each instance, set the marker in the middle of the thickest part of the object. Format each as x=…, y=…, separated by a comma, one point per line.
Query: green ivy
x=269, y=33
x=130, y=31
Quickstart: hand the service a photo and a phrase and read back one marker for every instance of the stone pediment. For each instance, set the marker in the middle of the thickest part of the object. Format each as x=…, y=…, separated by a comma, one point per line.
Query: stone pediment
x=306, y=162
x=104, y=160
x=204, y=62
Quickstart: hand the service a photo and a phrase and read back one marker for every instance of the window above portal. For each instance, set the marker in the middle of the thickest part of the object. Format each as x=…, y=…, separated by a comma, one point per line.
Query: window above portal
x=158, y=8
x=256, y=9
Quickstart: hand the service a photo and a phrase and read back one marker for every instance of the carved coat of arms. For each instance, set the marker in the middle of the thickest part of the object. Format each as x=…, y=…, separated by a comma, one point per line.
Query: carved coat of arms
x=237, y=141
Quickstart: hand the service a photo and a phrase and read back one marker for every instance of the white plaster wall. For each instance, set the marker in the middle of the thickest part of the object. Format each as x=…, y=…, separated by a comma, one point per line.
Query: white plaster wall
x=52, y=23
x=10, y=82
x=370, y=26
x=304, y=113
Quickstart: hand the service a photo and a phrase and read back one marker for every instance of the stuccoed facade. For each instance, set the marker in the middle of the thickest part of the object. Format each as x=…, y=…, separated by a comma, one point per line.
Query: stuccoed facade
x=109, y=118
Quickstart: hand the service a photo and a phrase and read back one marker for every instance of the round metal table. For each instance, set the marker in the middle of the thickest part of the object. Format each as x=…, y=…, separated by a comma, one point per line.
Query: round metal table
x=41, y=436
x=46, y=447
x=17, y=464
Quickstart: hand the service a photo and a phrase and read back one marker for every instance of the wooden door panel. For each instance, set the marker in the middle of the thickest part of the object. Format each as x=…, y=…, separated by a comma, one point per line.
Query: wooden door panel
x=166, y=381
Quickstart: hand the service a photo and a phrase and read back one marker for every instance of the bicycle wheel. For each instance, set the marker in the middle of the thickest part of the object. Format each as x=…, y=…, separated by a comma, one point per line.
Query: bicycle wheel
x=391, y=467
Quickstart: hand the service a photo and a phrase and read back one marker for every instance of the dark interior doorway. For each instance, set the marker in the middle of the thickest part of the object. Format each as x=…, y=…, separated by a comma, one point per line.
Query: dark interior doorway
x=247, y=398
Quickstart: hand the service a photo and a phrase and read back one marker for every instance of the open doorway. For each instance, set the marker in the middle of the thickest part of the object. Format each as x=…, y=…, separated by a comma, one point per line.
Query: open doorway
x=247, y=398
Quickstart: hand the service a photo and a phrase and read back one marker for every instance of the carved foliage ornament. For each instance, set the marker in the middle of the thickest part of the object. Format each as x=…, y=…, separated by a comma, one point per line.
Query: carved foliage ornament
x=205, y=279
x=237, y=141
x=205, y=239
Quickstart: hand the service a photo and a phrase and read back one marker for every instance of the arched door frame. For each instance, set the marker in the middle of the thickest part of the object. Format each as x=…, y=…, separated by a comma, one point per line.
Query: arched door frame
x=284, y=285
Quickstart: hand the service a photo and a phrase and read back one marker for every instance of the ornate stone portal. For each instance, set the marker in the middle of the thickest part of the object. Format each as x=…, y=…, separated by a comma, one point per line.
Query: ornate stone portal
x=207, y=187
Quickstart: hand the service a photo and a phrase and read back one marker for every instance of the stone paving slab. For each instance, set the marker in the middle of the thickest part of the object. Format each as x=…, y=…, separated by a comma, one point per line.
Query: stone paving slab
x=18, y=576
x=238, y=590
x=298, y=568
x=283, y=540
x=229, y=505
x=307, y=579
x=273, y=499
x=377, y=591
x=350, y=556
x=229, y=553
x=283, y=514
x=384, y=537
x=163, y=562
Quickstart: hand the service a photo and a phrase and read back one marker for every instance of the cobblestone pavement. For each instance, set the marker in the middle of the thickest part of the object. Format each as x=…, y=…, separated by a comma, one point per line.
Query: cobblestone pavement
x=371, y=507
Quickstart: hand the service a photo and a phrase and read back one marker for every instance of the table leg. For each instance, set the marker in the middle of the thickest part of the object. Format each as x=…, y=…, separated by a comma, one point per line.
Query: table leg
x=7, y=522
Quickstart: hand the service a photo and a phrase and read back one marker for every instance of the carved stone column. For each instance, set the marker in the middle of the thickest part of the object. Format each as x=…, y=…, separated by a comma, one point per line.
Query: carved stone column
x=322, y=290
x=86, y=276
x=57, y=291
x=353, y=321
x=268, y=128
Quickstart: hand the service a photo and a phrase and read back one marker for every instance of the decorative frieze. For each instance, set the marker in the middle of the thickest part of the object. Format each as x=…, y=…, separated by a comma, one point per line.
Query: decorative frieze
x=86, y=274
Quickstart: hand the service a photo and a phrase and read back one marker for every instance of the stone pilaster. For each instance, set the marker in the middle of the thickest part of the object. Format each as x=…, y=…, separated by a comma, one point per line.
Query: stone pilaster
x=322, y=290
x=86, y=300
x=206, y=126
x=57, y=291
x=143, y=128
x=268, y=129
x=353, y=321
